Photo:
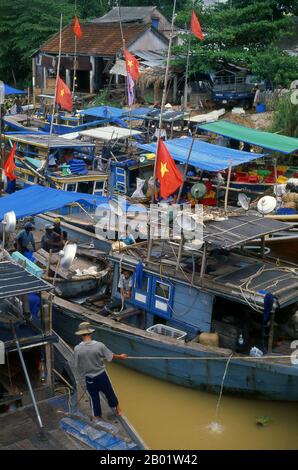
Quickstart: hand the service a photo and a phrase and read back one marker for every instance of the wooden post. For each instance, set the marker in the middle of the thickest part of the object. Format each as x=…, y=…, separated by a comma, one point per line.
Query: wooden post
x=271, y=332
x=228, y=187
x=179, y=252
x=203, y=265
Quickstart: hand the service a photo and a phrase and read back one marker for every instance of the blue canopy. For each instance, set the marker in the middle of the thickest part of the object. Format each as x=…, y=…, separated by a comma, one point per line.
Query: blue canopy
x=103, y=112
x=39, y=199
x=9, y=90
x=205, y=156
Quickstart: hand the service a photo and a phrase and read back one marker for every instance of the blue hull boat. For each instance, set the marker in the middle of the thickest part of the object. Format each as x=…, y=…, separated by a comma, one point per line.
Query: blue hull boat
x=197, y=366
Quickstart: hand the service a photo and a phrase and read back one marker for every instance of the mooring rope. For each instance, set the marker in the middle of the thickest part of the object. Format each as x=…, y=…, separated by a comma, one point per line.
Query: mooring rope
x=207, y=358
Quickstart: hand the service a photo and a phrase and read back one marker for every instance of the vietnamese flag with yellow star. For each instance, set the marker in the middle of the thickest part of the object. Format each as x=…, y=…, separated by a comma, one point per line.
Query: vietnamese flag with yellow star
x=64, y=96
x=170, y=178
x=132, y=65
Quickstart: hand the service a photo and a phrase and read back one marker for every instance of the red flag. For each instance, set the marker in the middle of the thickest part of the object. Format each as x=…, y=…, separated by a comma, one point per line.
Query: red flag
x=170, y=178
x=77, y=28
x=196, y=27
x=132, y=65
x=64, y=97
x=10, y=165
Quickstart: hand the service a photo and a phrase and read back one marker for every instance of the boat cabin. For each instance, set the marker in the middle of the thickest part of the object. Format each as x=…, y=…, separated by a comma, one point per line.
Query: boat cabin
x=56, y=162
x=218, y=289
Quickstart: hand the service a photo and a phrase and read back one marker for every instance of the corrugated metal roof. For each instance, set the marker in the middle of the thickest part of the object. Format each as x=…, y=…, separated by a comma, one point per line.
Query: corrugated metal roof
x=98, y=39
x=47, y=141
x=110, y=133
x=127, y=14
x=236, y=231
x=15, y=280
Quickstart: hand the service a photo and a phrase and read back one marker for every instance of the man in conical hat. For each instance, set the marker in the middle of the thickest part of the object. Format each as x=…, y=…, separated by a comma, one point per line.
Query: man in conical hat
x=90, y=357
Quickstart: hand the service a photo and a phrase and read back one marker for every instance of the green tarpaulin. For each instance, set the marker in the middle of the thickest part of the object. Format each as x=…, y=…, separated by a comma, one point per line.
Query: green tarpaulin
x=266, y=140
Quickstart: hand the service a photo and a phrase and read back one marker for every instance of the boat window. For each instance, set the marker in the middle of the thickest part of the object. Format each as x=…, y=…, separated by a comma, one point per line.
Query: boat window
x=98, y=187
x=71, y=187
x=162, y=290
x=145, y=284
x=85, y=187
x=31, y=178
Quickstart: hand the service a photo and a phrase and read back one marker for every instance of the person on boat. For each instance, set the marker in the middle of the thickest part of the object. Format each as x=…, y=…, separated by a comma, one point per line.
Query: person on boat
x=51, y=241
x=89, y=358
x=25, y=242
x=125, y=285
x=58, y=230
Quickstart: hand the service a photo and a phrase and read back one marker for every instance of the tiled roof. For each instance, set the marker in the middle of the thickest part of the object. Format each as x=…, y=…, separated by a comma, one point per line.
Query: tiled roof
x=98, y=39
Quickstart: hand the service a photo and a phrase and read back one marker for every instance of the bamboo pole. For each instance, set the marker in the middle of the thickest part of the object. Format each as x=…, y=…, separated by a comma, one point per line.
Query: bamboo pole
x=57, y=76
x=163, y=102
x=228, y=186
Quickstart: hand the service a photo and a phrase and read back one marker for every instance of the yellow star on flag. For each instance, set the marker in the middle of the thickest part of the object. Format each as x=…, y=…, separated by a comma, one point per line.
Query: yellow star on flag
x=130, y=63
x=163, y=169
x=62, y=92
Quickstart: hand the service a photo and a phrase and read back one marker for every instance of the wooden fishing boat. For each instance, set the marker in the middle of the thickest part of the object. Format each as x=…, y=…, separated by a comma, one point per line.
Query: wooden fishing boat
x=176, y=300
x=83, y=277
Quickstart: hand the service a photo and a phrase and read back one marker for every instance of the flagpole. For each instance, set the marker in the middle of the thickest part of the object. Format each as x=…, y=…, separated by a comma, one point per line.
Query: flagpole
x=57, y=76
x=126, y=78
x=75, y=59
x=163, y=102
x=186, y=74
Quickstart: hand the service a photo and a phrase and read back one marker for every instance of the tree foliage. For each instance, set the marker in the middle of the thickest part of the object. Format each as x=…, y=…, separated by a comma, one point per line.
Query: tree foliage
x=246, y=33
x=285, y=117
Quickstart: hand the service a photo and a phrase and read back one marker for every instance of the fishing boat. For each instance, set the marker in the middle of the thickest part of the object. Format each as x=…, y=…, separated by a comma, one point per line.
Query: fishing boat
x=190, y=307
x=41, y=404
x=56, y=162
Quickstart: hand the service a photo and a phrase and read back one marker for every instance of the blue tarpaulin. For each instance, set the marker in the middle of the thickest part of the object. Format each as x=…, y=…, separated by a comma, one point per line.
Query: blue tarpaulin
x=39, y=199
x=9, y=90
x=205, y=156
x=103, y=112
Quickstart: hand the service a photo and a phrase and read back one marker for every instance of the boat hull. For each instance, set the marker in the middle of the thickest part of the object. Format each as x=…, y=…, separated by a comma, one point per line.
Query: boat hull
x=74, y=288
x=253, y=378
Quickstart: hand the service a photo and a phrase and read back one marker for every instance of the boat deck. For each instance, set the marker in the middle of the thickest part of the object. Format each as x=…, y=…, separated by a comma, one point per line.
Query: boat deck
x=19, y=430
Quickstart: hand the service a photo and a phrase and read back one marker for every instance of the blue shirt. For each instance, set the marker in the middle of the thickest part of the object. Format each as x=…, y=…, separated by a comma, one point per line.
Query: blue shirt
x=25, y=239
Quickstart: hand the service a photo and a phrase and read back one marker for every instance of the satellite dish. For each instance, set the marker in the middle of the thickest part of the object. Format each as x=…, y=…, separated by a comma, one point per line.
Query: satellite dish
x=9, y=222
x=266, y=204
x=198, y=191
x=186, y=222
x=243, y=201
x=68, y=255
x=116, y=208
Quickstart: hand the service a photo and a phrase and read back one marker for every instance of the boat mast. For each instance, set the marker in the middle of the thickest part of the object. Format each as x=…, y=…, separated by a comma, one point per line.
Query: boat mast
x=57, y=76
x=163, y=102
x=75, y=59
x=187, y=66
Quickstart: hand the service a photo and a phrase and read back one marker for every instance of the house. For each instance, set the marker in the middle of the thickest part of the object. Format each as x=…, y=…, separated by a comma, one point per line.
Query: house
x=144, y=29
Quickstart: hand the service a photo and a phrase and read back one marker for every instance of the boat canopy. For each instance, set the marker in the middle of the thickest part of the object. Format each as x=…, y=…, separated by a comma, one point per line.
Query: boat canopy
x=47, y=141
x=9, y=90
x=16, y=280
x=266, y=140
x=40, y=199
x=110, y=133
x=236, y=231
x=103, y=112
x=205, y=156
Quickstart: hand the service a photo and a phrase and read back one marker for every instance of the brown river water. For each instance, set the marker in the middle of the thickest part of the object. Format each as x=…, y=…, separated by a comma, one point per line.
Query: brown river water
x=171, y=417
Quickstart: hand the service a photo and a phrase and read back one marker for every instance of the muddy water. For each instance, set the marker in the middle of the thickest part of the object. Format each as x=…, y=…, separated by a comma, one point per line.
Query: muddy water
x=172, y=417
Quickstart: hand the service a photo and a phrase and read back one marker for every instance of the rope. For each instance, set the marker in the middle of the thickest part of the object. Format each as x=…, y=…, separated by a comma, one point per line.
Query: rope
x=207, y=358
